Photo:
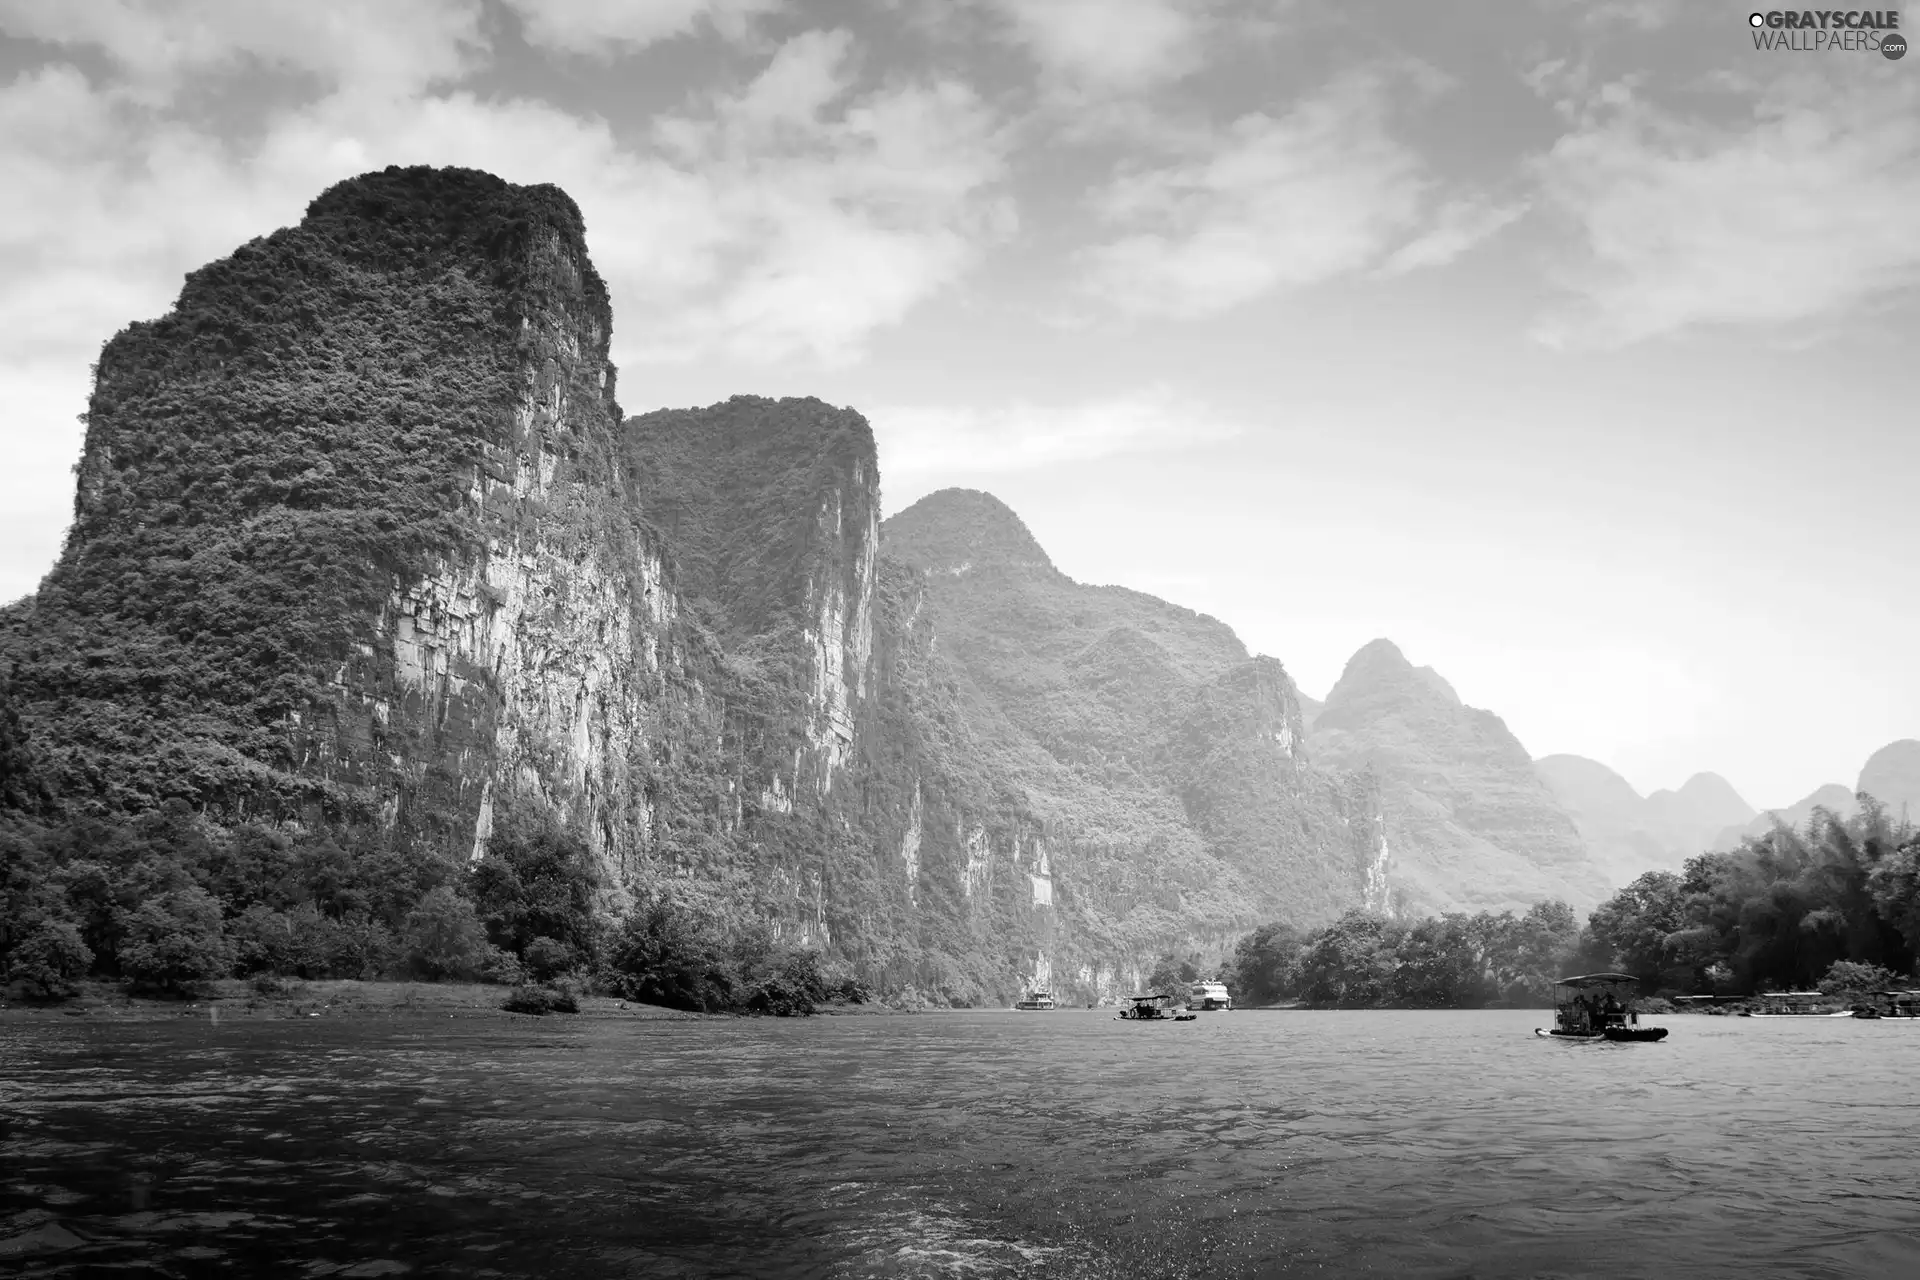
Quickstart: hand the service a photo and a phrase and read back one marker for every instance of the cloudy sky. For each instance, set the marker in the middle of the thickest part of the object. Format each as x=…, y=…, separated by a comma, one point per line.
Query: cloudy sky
x=1566, y=344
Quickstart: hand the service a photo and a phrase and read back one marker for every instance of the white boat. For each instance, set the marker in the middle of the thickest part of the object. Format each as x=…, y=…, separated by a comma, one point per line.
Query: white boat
x=1036, y=1002
x=1797, y=1004
x=1206, y=997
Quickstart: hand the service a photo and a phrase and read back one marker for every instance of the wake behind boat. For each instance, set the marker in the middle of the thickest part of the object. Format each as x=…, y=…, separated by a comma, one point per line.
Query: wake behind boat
x=1598, y=1006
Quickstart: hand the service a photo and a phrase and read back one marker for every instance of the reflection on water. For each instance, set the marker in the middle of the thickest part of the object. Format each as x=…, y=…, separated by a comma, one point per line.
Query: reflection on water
x=970, y=1144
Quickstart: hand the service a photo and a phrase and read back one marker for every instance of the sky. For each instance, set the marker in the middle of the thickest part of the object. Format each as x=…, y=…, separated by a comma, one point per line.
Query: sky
x=1568, y=345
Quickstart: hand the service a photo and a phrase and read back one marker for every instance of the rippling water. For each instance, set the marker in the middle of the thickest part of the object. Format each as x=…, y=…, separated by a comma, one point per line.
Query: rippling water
x=966, y=1144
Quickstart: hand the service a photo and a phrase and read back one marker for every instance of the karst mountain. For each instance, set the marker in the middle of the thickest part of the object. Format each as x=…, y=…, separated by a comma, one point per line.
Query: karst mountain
x=364, y=542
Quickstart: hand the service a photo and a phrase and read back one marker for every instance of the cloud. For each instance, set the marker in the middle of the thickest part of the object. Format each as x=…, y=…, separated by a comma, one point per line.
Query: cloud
x=603, y=28
x=1108, y=44
x=1458, y=226
x=788, y=220
x=1279, y=202
x=924, y=441
x=365, y=43
x=1798, y=211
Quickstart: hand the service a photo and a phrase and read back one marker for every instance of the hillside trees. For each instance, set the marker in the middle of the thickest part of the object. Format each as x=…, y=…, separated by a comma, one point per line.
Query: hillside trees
x=1442, y=962
x=1780, y=911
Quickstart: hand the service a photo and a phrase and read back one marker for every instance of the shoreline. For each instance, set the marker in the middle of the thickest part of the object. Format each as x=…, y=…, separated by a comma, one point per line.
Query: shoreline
x=235, y=999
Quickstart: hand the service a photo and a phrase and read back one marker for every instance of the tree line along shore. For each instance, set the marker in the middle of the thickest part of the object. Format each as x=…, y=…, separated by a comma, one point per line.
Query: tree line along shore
x=161, y=906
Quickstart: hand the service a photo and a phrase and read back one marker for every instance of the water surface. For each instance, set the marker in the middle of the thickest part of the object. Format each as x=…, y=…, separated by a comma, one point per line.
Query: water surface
x=967, y=1144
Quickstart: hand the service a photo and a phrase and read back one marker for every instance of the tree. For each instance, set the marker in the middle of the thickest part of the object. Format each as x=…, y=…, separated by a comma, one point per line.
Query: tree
x=1263, y=964
x=1351, y=963
x=663, y=954
x=1170, y=973
x=444, y=938
x=50, y=955
x=1853, y=981
x=1634, y=924
x=537, y=880
x=175, y=941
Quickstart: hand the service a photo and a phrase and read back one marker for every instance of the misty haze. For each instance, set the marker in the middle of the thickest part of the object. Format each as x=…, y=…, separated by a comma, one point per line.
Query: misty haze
x=1081, y=638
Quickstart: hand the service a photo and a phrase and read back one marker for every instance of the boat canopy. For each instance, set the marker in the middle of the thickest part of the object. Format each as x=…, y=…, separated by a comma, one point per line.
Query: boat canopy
x=1597, y=980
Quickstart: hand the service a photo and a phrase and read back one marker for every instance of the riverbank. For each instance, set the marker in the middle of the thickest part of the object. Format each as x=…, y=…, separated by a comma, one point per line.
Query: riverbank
x=233, y=998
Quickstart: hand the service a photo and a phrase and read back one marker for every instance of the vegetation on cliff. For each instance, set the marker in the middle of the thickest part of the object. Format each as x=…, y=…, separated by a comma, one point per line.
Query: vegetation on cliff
x=260, y=465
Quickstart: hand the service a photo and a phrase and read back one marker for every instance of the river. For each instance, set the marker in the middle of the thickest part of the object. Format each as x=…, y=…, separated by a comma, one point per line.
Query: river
x=976, y=1144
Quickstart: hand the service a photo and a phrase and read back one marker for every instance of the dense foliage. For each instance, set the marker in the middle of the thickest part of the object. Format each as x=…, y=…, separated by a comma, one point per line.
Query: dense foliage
x=1835, y=905
x=260, y=465
x=166, y=903
x=1452, y=961
x=1778, y=912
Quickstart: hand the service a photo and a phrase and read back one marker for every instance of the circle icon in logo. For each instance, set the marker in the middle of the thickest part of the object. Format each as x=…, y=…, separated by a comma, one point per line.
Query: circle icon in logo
x=1756, y=19
x=1894, y=47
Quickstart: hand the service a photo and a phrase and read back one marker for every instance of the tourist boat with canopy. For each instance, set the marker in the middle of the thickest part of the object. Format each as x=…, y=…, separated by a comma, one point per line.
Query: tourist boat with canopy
x=1598, y=1006
x=1154, y=1008
x=1796, y=1004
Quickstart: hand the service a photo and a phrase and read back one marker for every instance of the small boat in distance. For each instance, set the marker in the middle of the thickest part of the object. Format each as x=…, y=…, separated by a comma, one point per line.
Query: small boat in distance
x=1154, y=1008
x=1036, y=1002
x=1796, y=1004
x=1598, y=1006
x=1205, y=997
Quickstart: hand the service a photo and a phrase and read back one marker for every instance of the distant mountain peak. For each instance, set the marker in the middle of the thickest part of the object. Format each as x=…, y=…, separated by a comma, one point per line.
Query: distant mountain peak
x=1892, y=776
x=1379, y=664
x=957, y=530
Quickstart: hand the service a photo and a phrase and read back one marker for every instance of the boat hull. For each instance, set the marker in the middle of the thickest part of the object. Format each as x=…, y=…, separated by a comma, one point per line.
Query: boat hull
x=1617, y=1035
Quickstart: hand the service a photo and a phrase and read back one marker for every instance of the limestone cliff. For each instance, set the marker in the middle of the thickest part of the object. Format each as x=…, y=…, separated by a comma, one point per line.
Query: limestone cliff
x=1473, y=826
x=1164, y=763
x=362, y=541
x=354, y=541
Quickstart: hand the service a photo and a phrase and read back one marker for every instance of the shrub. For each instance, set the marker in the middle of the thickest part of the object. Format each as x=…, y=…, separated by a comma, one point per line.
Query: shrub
x=540, y=1000
x=548, y=958
x=784, y=982
x=663, y=954
x=50, y=955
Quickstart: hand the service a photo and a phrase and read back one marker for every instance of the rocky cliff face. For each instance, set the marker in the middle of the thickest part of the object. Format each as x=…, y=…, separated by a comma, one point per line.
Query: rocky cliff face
x=1164, y=764
x=375, y=466
x=361, y=539
x=1474, y=827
